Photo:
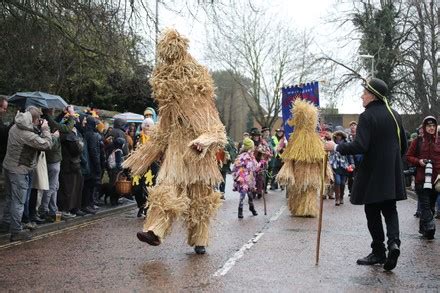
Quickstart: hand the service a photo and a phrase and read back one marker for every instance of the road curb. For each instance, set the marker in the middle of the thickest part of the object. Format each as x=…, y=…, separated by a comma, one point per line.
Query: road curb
x=51, y=227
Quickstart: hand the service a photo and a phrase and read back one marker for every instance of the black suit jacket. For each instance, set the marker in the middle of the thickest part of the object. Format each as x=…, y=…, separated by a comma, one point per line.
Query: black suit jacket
x=380, y=174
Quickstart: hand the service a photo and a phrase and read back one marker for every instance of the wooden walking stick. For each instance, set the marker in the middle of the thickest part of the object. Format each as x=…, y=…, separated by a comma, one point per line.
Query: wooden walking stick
x=264, y=202
x=321, y=205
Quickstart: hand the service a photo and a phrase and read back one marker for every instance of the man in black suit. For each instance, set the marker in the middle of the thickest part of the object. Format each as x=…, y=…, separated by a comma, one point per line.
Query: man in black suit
x=379, y=182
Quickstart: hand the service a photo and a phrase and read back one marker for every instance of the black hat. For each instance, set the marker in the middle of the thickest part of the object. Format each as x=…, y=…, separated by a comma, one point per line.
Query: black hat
x=377, y=87
x=280, y=130
x=264, y=128
x=255, y=132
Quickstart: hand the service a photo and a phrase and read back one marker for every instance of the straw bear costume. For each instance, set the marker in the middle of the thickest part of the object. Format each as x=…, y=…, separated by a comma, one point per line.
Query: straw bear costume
x=303, y=160
x=187, y=137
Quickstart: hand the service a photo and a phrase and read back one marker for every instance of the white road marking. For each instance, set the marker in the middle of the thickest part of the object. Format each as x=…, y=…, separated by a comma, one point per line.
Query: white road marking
x=239, y=254
x=277, y=214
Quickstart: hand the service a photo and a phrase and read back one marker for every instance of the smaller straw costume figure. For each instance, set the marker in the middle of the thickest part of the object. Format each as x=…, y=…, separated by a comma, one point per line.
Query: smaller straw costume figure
x=187, y=137
x=303, y=160
x=244, y=173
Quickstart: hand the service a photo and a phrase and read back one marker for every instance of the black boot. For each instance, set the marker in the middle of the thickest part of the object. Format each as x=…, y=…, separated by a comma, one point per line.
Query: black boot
x=252, y=209
x=148, y=237
x=372, y=259
x=200, y=249
x=341, y=195
x=240, y=213
x=393, y=255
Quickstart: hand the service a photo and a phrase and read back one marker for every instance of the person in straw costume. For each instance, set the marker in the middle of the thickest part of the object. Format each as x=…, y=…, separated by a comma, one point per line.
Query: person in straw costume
x=303, y=159
x=188, y=135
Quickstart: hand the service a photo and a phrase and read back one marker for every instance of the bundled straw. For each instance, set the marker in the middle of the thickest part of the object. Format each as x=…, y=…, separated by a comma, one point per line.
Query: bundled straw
x=184, y=91
x=187, y=137
x=303, y=159
x=304, y=145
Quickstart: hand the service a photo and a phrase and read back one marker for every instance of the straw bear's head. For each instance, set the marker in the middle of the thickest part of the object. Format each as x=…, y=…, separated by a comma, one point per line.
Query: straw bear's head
x=305, y=115
x=172, y=46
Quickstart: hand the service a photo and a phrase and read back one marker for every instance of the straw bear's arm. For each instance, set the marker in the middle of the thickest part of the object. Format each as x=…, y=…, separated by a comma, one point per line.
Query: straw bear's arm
x=140, y=160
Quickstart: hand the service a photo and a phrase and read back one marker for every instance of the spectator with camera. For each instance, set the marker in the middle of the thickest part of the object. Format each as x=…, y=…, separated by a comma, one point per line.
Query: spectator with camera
x=48, y=207
x=426, y=158
x=27, y=137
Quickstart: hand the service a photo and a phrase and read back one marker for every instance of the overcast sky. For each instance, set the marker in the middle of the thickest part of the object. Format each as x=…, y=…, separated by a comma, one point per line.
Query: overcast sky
x=300, y=14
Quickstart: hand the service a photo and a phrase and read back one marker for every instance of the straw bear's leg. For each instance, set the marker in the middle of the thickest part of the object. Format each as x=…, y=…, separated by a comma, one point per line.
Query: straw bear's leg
x=166, y=203
x=204, y=202
x=303, y=203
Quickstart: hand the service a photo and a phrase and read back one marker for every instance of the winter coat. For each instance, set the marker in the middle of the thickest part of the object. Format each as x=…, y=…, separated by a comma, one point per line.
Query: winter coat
x=54, y=154
x=24, y=143
x=340, y=163
x=40, y=177
x=117, y=132
x=93, y=140
x=72, y=147
x=4, y=129
x=429, y=149
x=380, y=174
x=244, y=172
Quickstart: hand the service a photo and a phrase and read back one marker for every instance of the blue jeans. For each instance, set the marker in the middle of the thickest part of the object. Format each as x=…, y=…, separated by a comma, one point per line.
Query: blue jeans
x=17, y=187
x=49, y=200
x=26, y=213
x=340, y=179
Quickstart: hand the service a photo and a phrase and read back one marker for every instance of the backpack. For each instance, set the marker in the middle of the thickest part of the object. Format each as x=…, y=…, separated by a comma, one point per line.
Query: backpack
x=111, y=160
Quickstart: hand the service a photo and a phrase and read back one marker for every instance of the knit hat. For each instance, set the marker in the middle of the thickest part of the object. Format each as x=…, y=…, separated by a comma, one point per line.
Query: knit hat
x=248, y=144
x=148, y=122
x=429, y=120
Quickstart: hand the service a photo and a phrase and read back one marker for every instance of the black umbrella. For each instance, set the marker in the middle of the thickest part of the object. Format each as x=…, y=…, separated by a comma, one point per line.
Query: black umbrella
x=38, y=99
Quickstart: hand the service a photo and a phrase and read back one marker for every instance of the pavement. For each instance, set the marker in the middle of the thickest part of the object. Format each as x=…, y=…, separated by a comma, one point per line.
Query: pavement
x=46, y=228
x=266, y=253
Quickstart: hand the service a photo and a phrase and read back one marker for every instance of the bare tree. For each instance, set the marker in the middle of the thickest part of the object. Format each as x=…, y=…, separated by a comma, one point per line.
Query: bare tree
x=403, y=36
x=420, y=59
x=250, y=43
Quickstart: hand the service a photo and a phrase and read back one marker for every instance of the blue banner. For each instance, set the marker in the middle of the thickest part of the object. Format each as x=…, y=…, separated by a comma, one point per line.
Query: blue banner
x=308, y=91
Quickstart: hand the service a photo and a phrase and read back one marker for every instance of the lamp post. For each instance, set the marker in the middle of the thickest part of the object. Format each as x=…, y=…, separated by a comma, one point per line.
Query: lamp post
x=372, y=62
x=156, y=26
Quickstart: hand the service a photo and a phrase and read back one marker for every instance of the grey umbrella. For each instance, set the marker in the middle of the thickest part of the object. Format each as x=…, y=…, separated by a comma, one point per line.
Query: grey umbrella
x=38, y=99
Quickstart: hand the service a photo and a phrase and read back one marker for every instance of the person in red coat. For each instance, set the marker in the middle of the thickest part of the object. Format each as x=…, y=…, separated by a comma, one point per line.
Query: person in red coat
x=425, y=155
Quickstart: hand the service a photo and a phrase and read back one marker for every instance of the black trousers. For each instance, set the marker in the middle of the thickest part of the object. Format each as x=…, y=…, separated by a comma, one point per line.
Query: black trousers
x=88, y=192
x=388, y=210
x=222, y=185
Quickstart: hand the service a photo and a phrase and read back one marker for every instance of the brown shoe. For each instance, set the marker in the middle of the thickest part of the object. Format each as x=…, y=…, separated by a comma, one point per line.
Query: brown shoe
x=148, y=237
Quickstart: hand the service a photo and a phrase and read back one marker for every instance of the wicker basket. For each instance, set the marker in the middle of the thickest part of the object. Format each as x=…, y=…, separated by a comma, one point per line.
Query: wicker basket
x=123, y=185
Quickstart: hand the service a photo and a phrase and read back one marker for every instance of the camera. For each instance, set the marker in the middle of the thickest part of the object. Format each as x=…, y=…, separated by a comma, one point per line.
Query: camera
x=428, y=174
x=411, y=171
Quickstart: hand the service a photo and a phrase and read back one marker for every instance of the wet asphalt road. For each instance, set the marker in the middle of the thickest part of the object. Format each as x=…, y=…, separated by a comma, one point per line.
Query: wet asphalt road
x=273, y=253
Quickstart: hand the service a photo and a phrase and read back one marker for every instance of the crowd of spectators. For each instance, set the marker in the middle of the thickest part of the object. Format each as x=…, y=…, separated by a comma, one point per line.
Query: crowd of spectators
x=54, y=165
